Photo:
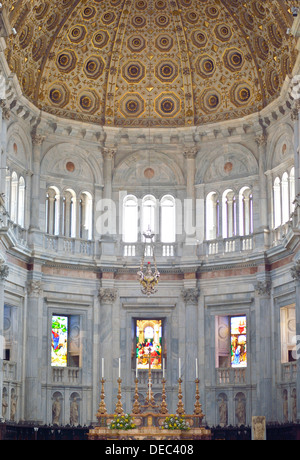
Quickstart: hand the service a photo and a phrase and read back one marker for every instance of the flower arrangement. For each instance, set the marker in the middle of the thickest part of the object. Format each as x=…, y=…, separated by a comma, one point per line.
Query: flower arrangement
x=122, y=422
x=173, y=422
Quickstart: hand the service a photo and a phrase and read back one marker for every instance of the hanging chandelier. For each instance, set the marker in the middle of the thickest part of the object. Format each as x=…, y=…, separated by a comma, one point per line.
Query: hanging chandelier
x=148, y=277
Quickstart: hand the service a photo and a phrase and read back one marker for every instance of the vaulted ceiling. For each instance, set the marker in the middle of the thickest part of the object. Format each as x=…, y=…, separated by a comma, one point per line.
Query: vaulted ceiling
x=167, y=63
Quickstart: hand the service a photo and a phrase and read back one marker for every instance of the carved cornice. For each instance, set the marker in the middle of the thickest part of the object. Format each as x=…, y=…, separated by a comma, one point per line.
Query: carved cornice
x=190, y=295
x=108, y=295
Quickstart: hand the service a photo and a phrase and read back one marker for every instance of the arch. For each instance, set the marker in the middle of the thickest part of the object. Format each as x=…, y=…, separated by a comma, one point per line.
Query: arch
x=285, y=199
x=21, y=201
x=86, y=215
x=228, y=213
x=14, y=196
x=167, y=219
x=149, y=218
x=277, y=202
x=130, y=219
x=52, y=210
x=212, y=215
x=245, y=211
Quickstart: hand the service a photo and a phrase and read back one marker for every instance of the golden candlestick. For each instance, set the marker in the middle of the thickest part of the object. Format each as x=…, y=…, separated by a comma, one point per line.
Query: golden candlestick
x=102, y=407
x=119, y=408
x=136, y=405
x=180, y=407
x=164, y=407
x=197, y=406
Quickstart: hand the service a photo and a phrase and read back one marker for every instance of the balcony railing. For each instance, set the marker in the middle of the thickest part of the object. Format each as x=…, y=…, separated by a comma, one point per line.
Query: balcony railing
x=230, y=376
x=228, y=245
x=66, y=375
x=289, y=372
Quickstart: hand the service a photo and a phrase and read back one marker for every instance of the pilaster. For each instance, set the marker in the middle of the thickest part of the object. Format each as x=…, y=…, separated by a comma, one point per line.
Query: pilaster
x=4, y=271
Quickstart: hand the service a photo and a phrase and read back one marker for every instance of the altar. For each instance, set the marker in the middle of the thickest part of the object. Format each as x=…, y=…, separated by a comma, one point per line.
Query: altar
x=150, y=421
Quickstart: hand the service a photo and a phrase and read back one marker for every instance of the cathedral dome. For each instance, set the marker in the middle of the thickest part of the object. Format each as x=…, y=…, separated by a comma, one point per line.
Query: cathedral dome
x=131, y=63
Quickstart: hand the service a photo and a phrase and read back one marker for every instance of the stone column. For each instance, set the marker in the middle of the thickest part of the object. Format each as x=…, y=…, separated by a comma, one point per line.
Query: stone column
x=108, y=165
x=33, y=361
x=37, y=141
x=261, y=142
x=107, y=297
x=263, y=349
x=295, y=272
x=295, y=118
x=190, y=157
x=190, y=297
x=5, y=115
x=3, y=275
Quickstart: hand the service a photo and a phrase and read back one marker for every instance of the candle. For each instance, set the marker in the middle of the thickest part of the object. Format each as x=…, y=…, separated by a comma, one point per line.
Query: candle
x=196, y=368
x=136, y=370
x=179, y=368
x=103, y=368
x=163, y=368
x=119, y=368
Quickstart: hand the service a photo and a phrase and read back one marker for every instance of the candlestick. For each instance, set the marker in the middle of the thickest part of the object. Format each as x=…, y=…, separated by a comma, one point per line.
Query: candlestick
x=136, y=370
x=163, y=368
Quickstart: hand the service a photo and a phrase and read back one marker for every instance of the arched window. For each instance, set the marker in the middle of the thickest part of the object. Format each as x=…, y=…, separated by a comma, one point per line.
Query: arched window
x=168, y=219
x=130, y=219
x=229, y=214
x=14, y=197
x=212, y=216
x=21, y=202
x=69, y=213
x=277, y=202
x=85, y=215
x=52, y=211
x=292, y=190
x=245, y=211
x=149, y=214
x=285, y=198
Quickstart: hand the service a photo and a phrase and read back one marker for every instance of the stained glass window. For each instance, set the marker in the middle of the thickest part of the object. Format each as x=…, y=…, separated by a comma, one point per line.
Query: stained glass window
x=238, y=341
x=148, y=344
x=59, y=342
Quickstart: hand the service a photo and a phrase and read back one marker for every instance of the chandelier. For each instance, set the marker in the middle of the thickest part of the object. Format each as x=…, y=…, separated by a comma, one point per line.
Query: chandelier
x=148, y=277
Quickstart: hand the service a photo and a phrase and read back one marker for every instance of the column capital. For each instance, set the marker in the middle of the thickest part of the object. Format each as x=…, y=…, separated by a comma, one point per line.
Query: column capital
x=4, y=271
x=108, y=153
x=107, y=295
x=190, y=295
x=295, y=270
x=261, y=140
x=37, y=139
x=34, y=288
x=263, y=288
x=190, y=153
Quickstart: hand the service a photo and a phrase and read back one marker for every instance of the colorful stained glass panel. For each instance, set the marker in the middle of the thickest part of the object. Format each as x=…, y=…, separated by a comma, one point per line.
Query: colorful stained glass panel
x=238, y=341
x=148, y=344
x=59, y=341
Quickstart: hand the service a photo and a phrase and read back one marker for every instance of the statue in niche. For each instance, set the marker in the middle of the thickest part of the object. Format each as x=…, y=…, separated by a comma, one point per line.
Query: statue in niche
x=223, y=412
x=240, y=412
x=285, y=407
x=13, y=406
x=74, y=413
x=56, y=409
x=259, y=428
x=4, y=405
x=294, y=404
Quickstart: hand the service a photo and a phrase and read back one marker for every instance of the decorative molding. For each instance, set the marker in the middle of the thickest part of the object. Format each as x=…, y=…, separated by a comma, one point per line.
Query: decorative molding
x=295, y=270
x=190, y=295
x=263, y=287
x=107, y=295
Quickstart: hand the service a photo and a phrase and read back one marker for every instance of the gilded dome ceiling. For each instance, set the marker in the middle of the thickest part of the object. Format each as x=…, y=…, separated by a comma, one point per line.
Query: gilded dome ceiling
x=160, y=62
